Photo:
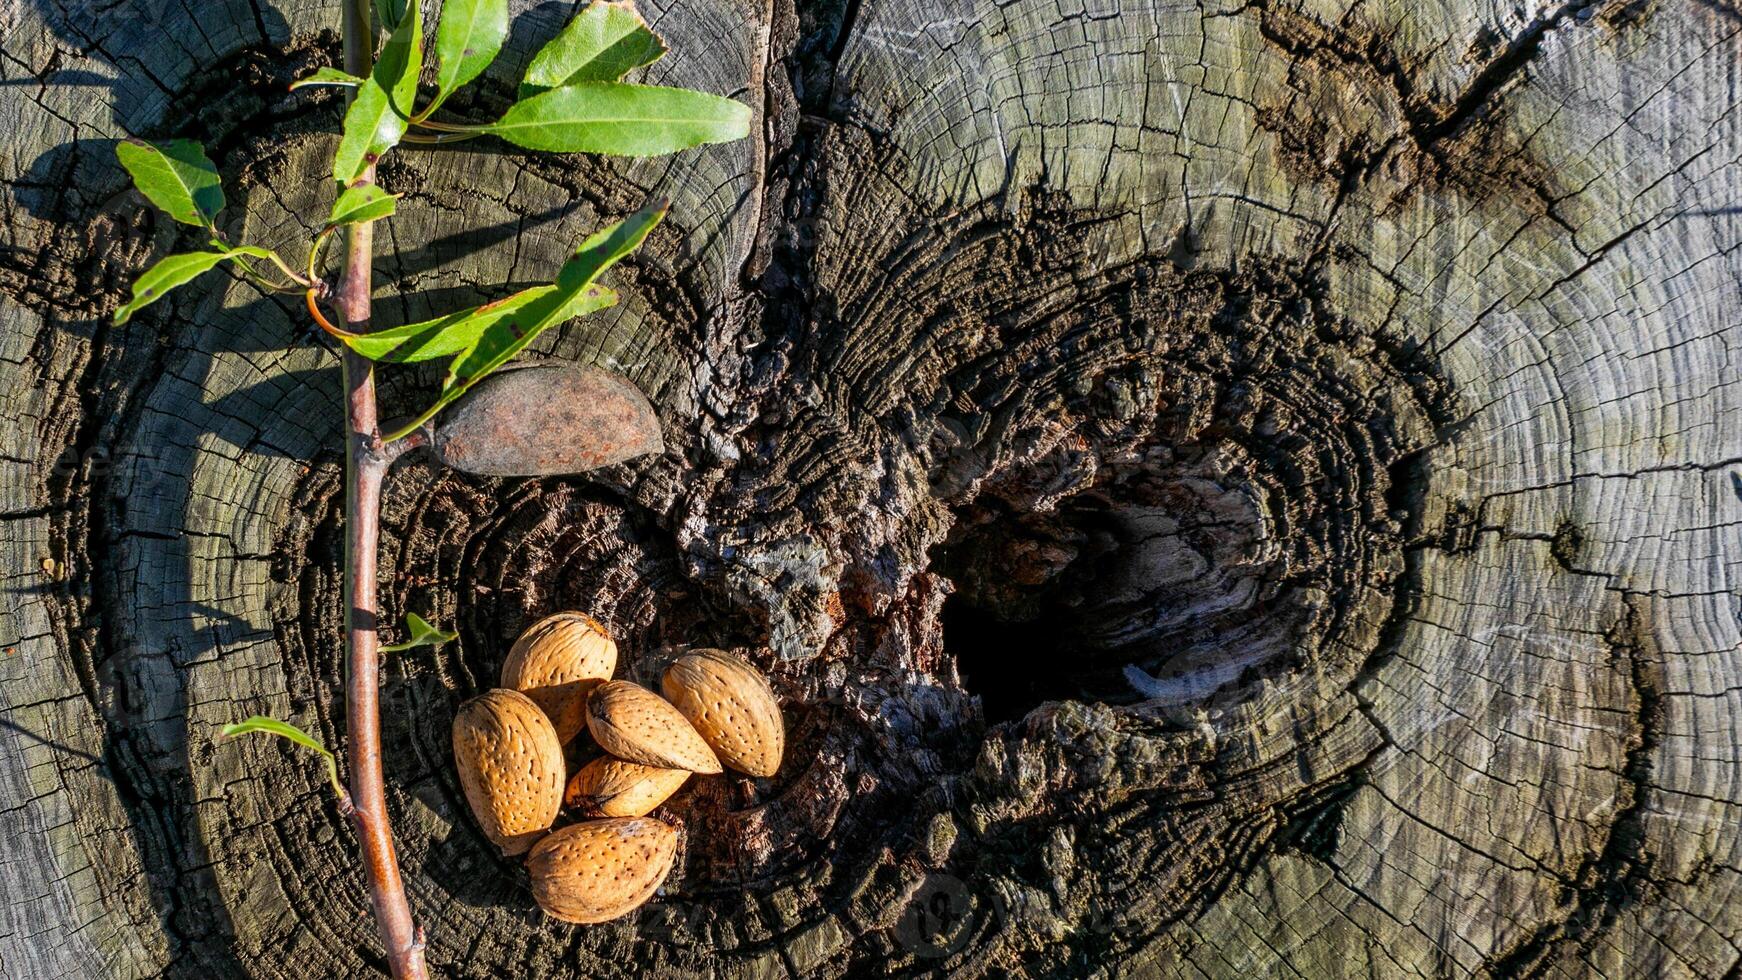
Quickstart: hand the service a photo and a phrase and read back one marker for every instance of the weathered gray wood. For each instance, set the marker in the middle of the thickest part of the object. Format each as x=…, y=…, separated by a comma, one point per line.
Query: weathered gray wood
x=1239, y=490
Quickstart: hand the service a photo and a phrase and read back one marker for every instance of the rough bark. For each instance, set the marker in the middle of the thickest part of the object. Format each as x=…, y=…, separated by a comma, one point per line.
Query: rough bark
x=1223, y=490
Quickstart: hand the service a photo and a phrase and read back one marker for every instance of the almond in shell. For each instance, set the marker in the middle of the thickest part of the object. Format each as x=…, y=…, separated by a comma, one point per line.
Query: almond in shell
x=616, y=788
x=601, y=869
x=633, y=723
x=511, y=767
x=732, y=706
x=557, y=662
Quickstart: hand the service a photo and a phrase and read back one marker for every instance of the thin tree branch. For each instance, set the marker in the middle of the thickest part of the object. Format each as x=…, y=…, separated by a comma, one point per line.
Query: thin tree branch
x=365, y=467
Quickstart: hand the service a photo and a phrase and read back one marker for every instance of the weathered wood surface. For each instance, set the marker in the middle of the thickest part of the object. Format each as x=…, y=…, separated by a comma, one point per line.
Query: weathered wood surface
x=1223, y=489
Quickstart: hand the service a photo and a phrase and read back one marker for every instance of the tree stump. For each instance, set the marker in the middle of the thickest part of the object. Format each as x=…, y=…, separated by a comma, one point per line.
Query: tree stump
x=1221, y=490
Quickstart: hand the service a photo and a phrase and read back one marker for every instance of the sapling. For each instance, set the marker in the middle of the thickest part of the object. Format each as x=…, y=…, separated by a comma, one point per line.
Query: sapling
x=572, y=99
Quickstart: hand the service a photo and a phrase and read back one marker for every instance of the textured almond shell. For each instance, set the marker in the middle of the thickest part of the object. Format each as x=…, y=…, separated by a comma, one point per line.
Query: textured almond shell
x=511, y=767
x=619, y=788
x=631, y=722
x=731, y=705
x=557, y=662
x=599, y=870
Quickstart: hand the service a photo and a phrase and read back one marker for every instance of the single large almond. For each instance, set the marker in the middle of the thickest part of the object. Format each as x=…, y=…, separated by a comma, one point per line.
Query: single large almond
x=557, y=662
x=631, y=722
x=601, y=869
x=731, y=706
x=511, y=767
x=616, y=788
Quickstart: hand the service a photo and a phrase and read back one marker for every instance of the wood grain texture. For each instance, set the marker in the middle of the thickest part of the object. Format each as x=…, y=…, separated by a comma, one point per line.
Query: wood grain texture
x=1225, y=490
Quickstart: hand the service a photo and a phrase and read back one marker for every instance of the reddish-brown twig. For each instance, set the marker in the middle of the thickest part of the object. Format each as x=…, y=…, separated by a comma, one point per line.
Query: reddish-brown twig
x=365, y=468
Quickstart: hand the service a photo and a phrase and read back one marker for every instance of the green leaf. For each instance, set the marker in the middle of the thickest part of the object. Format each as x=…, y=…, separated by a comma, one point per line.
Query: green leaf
x=621, y=119
x=573, y=294
x=177, y=177
x=458, y=332
x=603, y=43
x=389, y=13
x=327, y=76
x=169, y=272
x=383, y=106
x=272, y=726
x=467, y=40
x=422, y=635
x=363, y=203
x=508, y=336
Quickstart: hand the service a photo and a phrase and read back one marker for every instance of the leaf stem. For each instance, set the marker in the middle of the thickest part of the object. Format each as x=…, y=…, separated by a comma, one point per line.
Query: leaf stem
x=411, y=427
x=428, y=110
x=295, y=276
x=441, y=127
x=260, y=280
x=314, y=253
x=314, y=310
x=439, y=138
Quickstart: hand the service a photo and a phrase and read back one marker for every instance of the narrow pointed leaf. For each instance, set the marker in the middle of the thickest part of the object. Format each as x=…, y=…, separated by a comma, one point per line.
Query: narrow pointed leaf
x=327, y=76
x=366, y=202
x=589, y=300
x=621, y=119
x=508, y=336
x=608, y=246
x=574, y=293
x=389, y=13
x=422, y=634
x=176, y=176
x=444, y=336
x=169, y=272
x=285, y=730
x=496, y=342
x=604, y=42
x=467, y=40
x=458, y=332
x=383, y=106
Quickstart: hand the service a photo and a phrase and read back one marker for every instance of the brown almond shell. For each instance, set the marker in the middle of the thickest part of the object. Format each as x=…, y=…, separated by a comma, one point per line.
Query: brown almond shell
x=601, y=869
x=633, y=723
x=511, y=767
x=614, y=787
x=557, y=662
x=732, y=707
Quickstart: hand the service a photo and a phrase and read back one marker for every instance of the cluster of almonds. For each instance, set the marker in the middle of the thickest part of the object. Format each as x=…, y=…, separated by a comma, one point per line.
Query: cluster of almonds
x=508, y=744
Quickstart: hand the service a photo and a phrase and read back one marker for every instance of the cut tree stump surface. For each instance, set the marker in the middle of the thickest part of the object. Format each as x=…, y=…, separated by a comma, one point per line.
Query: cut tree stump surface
x=1221, y=490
